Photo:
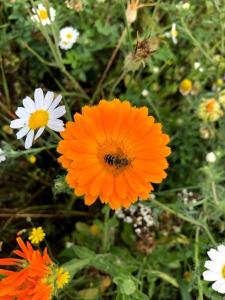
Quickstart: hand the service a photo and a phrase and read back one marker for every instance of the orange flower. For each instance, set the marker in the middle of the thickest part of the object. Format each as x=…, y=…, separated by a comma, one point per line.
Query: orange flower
x=35, y=278
x=114, y=151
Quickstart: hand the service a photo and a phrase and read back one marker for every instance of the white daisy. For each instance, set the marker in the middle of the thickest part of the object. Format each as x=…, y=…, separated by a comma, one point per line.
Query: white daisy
x=37, y=114
x=43, y=15
x=145, y=93
x=174, y=33
x=68, y=36
x=216, y=268
x=2, y=156
x=210, y=157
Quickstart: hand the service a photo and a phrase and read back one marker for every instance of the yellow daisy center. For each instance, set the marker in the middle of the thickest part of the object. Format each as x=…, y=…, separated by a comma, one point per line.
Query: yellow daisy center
x=186, y=85
x=223, y=271
x=62, y=278
x=42, y=14
x=38, y=119
x=69, y=35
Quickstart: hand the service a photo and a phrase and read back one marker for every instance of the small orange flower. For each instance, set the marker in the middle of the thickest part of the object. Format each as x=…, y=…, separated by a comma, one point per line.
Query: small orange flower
x=114, y=151
x=35, y=277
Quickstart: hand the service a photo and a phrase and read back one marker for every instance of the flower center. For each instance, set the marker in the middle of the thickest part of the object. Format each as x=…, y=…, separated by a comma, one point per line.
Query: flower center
x=43, y=15
x=38, y=119
x=114, y=158
x=210, y=105
x=223, y=271
x=69, y=36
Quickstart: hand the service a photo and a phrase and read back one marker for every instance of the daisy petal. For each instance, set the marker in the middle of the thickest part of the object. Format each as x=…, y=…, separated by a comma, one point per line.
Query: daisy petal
x=39, y=98
x=48, y=100
x=55, y=103
x=22, y=132
x=211, y=276
x=216, y=285
x=29, y=139
x=39, y=132
x=213, y=254
x=58, y=112
x=18, y=123
x=54, y=126
x=22, y=113
x=28, y=103
x=221, y=289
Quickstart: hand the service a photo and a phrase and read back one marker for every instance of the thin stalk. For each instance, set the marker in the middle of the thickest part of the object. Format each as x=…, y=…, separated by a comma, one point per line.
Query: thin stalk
x=5, y=84
x=105, y=241
x=199, y=282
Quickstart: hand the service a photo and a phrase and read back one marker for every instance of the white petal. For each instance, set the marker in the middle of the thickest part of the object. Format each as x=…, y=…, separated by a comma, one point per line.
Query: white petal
x=18, y=123
x=55, y=103
x=213, y=254
x=28, y=103
x=39, y=132
x=55, y=126
x=22, y=132
x=22, y=113
x=212, y=276
x=216, y=285
x=39, y=98
x=58, y=112
x=48, y=100
x=214, y=265
x=221, y=250
x=29, y=139
x=221, y=289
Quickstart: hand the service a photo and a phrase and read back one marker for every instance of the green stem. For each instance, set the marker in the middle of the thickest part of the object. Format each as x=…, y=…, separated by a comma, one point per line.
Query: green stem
x=105, y=241
x=200, y=291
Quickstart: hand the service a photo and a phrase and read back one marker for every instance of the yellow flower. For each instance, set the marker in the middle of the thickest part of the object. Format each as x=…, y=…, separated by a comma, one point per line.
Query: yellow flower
x=210, y=110
x=185, y=87
x=62, y=278
x=37, y=235
x=94, y=230
x=32, y=159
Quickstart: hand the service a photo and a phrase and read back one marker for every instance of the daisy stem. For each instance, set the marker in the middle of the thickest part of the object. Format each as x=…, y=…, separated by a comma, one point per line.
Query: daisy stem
x=55, y=135
x=200, y=292
x=105, y=241
x=4, y=81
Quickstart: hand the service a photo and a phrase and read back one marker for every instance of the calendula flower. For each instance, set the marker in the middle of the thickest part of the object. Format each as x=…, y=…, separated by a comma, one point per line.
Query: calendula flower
x=216, y=268
x=210, y=110
x=113, y=152
x=43, y=15
x=38, y=114
x=68, y=37
x=37, y=235
x=185, y=87
x=2, y=155
x=210, y=157
x=35, y=277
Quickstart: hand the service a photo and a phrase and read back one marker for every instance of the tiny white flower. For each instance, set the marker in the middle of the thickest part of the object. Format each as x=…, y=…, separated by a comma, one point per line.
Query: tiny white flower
x=43, y=15
x=64, y=45
x=174, y=33
x=155, y=70
x=211, y=157
x=38, y=114
x=69, y=34
x=2, y=156
x=216, y=268
x=182, y=5
x=197, y=66
x=145, y=93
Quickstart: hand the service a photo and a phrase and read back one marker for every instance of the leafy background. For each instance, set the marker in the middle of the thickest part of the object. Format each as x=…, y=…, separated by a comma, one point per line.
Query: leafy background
x=106, y=257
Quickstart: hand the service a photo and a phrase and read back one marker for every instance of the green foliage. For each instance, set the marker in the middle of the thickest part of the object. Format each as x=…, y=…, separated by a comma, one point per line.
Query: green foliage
x=104, y=255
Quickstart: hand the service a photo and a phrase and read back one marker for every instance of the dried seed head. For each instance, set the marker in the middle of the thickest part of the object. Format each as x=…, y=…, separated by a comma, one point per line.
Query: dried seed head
x=143, y=50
